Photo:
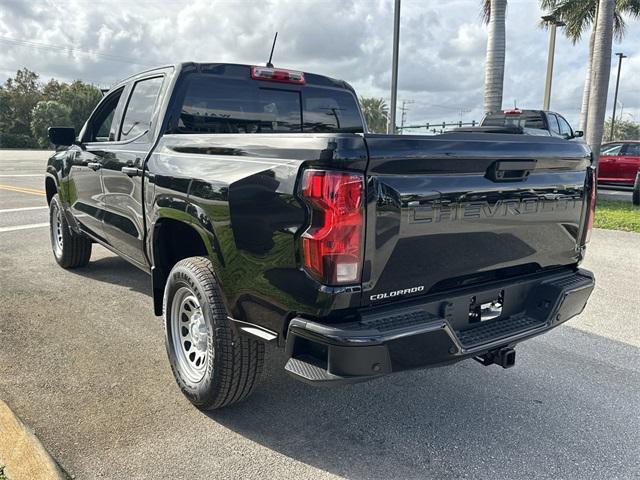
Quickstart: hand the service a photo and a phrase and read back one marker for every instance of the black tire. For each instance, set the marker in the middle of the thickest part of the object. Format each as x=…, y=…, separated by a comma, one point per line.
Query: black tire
x=231, y=363
x=70, y=249
x=636, y=190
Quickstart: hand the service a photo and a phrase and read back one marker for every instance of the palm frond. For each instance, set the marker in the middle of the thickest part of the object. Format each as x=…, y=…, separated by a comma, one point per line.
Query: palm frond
x=485, y=14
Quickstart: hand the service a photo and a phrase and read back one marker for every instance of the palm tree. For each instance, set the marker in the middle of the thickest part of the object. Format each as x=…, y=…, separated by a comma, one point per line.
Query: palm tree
x=494, y=15
x=376, y=113
x=579, y=15
x=601, y=65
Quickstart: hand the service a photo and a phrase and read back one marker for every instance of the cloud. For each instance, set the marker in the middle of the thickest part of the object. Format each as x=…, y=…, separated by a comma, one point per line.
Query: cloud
x=442, y=49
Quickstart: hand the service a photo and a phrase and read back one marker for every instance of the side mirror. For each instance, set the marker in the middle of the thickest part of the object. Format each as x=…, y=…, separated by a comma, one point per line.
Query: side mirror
x=62, y=136
x=578, y=133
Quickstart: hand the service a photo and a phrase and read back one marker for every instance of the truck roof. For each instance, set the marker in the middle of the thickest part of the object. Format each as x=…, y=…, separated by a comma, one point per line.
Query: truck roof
x=211, y=67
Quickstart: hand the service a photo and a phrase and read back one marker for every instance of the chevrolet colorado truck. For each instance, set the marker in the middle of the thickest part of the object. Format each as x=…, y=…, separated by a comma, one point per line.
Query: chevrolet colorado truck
x=265, y=213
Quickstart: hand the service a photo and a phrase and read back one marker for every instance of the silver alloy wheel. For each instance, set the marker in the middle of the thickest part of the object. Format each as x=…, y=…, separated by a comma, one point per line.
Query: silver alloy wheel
x=190, y=334
x=56, y=230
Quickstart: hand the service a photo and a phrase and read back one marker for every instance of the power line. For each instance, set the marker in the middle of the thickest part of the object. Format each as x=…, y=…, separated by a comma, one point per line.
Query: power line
x=62, y=48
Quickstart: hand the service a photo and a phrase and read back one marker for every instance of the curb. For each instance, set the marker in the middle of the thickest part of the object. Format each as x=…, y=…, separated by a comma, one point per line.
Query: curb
x=21, y=453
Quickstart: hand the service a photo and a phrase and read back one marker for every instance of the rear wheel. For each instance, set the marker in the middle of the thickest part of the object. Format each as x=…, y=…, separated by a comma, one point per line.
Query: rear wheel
x=70, y=249
x=213, y=365
x=636, y=190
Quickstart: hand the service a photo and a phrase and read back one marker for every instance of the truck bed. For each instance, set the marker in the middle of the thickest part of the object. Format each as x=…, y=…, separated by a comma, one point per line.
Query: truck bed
x=460, y=209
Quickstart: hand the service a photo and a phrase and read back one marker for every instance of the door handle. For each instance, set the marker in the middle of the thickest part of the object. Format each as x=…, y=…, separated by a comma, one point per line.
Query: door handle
x=94, y=166
x=132, y=171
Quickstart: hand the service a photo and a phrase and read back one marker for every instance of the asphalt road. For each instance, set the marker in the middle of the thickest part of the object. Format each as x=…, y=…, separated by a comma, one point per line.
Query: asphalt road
x=82, y=361
x=607, y=192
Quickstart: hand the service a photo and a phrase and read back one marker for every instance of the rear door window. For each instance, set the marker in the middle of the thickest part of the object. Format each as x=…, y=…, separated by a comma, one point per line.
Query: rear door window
x=139, y=113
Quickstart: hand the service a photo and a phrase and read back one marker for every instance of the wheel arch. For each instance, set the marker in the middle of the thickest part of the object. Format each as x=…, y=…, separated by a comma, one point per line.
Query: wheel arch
x=50, y=186
x=174, y=239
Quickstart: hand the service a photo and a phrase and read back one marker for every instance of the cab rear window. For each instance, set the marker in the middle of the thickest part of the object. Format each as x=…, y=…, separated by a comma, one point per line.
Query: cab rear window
x=213, y=104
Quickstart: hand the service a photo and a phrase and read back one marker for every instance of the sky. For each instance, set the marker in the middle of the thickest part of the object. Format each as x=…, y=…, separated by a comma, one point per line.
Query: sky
x=442, y=47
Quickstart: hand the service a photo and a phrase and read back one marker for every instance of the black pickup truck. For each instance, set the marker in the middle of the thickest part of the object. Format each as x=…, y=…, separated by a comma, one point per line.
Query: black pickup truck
x=264, y=212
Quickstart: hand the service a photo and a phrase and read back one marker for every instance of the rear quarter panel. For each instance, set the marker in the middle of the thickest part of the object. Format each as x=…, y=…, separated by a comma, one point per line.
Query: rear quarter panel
x=238, y=192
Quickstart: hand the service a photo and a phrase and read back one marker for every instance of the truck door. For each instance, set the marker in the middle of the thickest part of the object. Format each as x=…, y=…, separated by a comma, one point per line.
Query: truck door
x=123, y=168
x=629, y=163
x=85, y=193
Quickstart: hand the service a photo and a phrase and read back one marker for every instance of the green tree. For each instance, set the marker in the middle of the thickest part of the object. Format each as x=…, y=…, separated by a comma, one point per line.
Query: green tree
x=81, y=98
x=579, y=16
x=21, y=94
x=376, y=113
x=53, y=89
x=494, y=15
x=48, y=113
x=622, y=130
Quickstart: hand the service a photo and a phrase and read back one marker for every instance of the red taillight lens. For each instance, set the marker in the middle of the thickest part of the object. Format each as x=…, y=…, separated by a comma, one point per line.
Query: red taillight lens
x=332, y=245
x=591, y=209
x=277, y=75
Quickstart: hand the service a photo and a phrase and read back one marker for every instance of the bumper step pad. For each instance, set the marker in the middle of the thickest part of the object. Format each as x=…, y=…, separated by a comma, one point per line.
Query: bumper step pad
x=496, y=329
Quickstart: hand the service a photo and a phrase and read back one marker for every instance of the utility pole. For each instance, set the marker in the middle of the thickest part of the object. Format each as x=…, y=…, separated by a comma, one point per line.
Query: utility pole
x=553, y=24
x=615, y=97
x=403, y=116
x=391, y=127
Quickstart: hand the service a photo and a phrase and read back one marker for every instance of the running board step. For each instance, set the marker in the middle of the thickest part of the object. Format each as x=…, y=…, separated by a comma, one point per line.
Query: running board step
x=307, y=369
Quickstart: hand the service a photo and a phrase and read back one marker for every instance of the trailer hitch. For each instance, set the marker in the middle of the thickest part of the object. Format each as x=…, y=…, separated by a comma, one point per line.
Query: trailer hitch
x=505, y=357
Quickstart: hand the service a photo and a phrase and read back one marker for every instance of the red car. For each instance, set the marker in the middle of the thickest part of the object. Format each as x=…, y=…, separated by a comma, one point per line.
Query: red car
x=619, y=162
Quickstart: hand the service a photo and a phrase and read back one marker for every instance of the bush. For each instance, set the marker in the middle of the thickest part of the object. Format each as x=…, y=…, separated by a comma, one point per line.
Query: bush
x=16, y=140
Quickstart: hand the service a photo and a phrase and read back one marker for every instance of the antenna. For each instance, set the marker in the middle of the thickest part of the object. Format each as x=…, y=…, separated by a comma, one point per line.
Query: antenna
x=269, y=64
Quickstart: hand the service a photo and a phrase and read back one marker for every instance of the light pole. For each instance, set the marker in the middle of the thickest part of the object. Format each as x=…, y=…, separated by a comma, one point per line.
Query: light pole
x=615, y=97
x=391, y=127
x=553, y=23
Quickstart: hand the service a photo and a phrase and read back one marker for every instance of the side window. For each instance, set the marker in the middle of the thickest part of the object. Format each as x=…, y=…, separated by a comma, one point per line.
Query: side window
x=633, y=150
x=99, y=128
x=611, y=150
x=553, y=123
x=565, y=128
x=139, y=112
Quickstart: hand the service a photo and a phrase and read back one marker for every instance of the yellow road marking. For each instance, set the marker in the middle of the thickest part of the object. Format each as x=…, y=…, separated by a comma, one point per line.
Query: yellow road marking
x=32, y=191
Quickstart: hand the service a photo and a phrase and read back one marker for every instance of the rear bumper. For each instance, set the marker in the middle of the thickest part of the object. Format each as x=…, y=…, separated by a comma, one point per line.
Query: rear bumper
x=391, y=339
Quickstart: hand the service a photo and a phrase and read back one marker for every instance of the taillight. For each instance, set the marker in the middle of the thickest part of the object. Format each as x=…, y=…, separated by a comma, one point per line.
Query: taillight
x=277, y=75
x=332, y=245
x=591, y=208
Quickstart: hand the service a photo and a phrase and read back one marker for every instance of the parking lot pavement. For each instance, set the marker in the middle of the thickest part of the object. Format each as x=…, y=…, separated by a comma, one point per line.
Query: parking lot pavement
x=82, y=361
x=622, y=194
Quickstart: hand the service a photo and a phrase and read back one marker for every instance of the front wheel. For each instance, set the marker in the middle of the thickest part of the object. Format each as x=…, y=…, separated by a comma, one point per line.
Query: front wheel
x=212, y=364
x=70, y=249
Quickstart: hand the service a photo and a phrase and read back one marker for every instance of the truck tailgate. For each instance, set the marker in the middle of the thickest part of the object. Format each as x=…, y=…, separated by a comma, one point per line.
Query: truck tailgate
x=462, y=209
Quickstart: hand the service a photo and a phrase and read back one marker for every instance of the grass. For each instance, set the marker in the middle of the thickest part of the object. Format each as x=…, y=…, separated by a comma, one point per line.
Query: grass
x=616, y=215
x=2, y=477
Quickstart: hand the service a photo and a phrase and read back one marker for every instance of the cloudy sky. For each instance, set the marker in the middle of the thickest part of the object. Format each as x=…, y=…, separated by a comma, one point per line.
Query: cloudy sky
x=442, y=48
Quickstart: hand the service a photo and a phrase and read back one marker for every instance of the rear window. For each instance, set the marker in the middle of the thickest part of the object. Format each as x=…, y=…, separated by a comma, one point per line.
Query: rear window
x=227, y=105
x=522, y=120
